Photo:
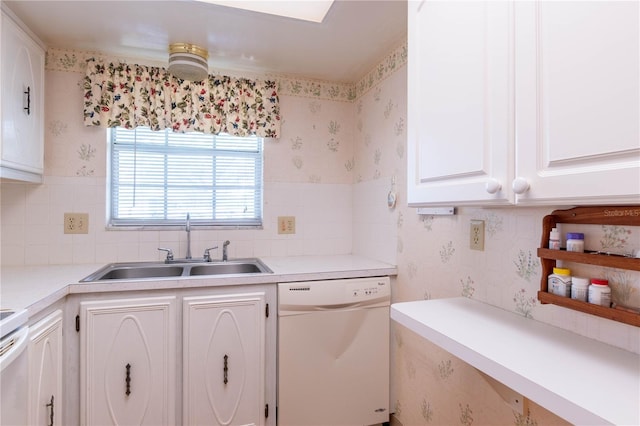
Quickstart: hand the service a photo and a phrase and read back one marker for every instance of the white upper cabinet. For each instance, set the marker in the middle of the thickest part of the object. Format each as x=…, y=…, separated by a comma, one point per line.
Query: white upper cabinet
x=523, y=102
x=22, y=103
x=577, y=101
x=460, y=102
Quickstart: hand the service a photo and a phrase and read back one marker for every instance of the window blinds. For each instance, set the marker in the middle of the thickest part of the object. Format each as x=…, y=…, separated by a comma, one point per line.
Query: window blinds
x=157, y=177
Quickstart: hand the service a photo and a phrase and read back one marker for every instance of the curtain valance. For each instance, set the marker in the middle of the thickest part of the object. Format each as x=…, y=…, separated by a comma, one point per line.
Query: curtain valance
x=120, y=94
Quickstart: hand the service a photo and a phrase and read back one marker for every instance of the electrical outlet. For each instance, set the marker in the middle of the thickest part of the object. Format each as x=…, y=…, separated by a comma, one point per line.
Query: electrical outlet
x=476, y=237
x=286, y=224
x=76, y=223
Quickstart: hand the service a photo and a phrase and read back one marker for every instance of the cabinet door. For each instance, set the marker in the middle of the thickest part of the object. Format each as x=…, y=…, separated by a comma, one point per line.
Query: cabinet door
x=577, y=103
x=127, y=359
x=22, y=141
x=45, y=371
x=224, y=359
x=460, y=99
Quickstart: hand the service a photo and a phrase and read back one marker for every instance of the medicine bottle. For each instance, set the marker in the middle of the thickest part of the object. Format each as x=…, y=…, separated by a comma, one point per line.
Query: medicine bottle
x=579, y=288
x=554, y=239
x=575, y=241
x=559, y=283
x=600, y=292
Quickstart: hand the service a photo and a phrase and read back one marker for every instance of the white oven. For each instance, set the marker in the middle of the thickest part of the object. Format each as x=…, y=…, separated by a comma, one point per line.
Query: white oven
x=14, y=369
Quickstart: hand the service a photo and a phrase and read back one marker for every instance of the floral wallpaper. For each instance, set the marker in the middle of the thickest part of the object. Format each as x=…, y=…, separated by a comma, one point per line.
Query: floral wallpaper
x=429, y=385
x=350, y=140
x=316, y=145
x=317, y=121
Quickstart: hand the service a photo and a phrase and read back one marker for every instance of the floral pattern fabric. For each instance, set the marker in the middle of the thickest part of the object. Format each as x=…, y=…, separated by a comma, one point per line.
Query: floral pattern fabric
x=125, y=95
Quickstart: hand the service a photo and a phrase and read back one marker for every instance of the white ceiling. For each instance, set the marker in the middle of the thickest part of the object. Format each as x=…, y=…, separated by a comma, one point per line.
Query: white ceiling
x=354, y=36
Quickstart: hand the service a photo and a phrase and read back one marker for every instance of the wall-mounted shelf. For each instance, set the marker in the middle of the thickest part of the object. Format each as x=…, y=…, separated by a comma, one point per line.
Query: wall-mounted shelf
x=601, y=215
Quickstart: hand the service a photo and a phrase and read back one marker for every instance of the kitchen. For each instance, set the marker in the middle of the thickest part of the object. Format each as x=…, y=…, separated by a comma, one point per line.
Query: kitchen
x=339, y=198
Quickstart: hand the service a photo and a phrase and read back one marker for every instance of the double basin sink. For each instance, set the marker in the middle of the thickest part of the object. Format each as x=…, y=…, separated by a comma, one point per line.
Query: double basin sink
x=143, y=270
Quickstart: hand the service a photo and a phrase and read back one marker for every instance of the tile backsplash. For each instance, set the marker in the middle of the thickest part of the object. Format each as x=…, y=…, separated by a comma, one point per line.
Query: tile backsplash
x=32, y=225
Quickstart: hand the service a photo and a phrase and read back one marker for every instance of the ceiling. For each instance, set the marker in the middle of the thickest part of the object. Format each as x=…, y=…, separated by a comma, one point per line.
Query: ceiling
x=354, y=36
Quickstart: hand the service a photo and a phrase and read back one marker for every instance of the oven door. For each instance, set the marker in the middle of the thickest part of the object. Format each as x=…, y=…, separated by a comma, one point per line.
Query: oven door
x=13, y=377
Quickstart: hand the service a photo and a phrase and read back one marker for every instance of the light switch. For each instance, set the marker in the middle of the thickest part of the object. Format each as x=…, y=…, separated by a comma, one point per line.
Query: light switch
x=286, y=224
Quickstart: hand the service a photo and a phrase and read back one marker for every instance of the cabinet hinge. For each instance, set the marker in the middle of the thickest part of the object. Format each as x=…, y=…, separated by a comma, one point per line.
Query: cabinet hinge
x=266, y=310
x=78, y=323
x=266, y=411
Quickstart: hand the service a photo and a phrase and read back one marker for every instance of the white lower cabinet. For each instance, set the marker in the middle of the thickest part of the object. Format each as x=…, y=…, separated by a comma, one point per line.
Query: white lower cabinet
x=45, y=371
x=224, y=359
x=128, y=361
x=133, y=350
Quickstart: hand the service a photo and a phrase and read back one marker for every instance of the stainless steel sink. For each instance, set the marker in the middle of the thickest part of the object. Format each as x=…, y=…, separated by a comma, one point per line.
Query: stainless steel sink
x=229, y=268
x=132, y=271
x=147, y=270
x=128, y=273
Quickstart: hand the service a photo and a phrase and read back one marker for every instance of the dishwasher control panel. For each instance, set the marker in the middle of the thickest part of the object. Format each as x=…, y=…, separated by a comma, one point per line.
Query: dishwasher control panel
x=367, y=289
x=329, y=294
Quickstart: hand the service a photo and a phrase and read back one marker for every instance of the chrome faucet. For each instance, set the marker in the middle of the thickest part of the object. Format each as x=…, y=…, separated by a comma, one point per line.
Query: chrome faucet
x=224, y=250
x=188, y=229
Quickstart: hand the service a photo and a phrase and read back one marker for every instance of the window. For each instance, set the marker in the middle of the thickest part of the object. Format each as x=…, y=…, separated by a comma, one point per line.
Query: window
x=156, y=178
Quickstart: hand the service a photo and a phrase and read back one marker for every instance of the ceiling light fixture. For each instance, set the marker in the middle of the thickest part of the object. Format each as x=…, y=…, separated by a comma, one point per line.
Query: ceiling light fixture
x=188, y=61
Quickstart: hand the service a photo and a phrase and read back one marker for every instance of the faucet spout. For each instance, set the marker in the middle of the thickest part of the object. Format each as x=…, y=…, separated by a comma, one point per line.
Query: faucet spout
x=188, y=229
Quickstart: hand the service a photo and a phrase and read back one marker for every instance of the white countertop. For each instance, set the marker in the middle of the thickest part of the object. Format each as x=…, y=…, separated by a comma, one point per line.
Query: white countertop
x=580, y=379
x=36, y=287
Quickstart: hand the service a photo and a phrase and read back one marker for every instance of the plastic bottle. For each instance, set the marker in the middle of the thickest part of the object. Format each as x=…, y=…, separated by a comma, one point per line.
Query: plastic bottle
x=559, y=282
x=579, y=288
x=600, y=292
x=575, y=242
x=554, y=239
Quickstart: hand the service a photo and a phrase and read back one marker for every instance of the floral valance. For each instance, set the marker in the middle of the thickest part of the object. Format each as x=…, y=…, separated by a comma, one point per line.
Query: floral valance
x=128, y=96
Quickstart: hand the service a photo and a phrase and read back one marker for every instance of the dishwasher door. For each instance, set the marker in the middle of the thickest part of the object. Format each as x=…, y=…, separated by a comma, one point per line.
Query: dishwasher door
x=333, y=352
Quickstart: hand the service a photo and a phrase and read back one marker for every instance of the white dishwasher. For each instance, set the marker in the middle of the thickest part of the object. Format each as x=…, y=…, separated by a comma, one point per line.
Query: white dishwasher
x=333, y=352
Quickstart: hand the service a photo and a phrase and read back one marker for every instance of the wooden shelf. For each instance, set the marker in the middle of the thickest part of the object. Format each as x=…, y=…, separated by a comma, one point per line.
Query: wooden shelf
x=591, y=258
x=589, y=308
x=601, y=215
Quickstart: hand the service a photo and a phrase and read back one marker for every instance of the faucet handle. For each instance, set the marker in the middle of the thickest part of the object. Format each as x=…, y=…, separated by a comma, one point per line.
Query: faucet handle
x=169, y=254
x=207, y=256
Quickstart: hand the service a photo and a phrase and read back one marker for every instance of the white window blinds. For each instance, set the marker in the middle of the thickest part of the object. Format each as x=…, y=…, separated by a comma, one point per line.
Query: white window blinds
x=159, y=177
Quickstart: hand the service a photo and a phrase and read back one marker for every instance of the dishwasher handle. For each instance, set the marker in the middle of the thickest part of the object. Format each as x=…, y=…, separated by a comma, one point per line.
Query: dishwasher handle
x=12, y=346
x=285, y=310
